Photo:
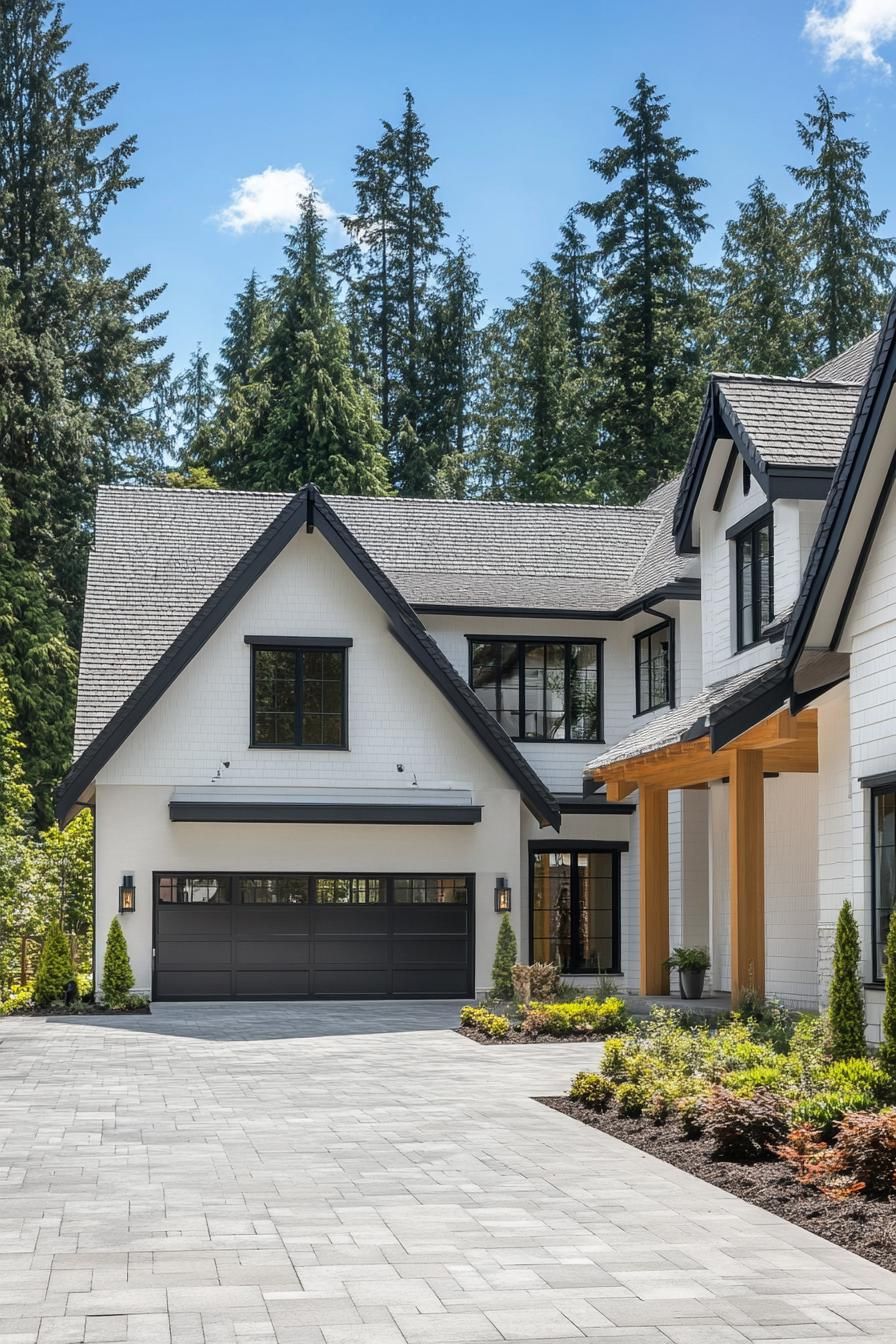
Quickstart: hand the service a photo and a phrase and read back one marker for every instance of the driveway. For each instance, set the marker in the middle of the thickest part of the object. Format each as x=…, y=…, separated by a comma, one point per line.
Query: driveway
x=360, y=1174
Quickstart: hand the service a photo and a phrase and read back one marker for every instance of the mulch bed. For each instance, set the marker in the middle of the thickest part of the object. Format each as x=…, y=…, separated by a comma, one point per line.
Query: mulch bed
x=520, y=1038
x=78, y=1010
x=865, y=1226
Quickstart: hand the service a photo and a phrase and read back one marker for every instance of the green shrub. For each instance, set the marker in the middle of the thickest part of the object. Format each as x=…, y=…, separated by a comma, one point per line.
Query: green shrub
x=744, y=1082
x=743, y=1129
x=480, y=1019
x=16, y=998
x=54, y=970
x=823, y=1111
x=505, y=960
x=118, y=978
x=864, y=1075
x=769, y=1021
x=612, y=1064
x=846, y=1001
x=591, y=1090
x=888, y=1022
x=586, y=1015
x=538, y=981
x=630, y=1099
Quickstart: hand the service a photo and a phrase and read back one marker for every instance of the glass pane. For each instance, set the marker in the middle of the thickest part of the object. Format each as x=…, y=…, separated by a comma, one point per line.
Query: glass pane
x=745, y=554
x=884, y=859
x=552, y=908
x=430, y=891
x=594, y=949
x=584, y=690
x=274, y=890
x=323, y=698
x=764, y=547
x=496, y=682
x=194, y=890
x=545, y=673
x=350, y=891
x=653, y=669
x=275, y=696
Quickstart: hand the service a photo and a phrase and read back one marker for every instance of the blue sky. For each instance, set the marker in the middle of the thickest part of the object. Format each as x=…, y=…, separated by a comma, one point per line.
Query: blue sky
x=517, y=96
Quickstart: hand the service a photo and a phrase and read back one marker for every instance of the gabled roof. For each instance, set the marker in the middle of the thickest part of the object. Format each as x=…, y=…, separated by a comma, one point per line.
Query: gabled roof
x=853, y=365
x=193, y=623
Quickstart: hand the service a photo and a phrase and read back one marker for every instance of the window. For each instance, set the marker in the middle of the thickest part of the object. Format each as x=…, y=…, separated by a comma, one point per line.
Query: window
x=754, y=581
x=540, y=691
x=883, y=870
x=274, y=890
x=574, y=909
x=653, y=668
x=350, y=891
x=299, y=697
x=195, y=890
x=430, y=891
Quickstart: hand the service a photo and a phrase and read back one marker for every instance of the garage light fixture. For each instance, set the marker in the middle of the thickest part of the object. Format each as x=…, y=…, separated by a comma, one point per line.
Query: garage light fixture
x=502, y=896
x=127, y=894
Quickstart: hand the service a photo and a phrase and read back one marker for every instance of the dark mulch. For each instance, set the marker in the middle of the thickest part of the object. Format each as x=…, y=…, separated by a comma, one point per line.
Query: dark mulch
x=520, y=1038
x=865, y=1226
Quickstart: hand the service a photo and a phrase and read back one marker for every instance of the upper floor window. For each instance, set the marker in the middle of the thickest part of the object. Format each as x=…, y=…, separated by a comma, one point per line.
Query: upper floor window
x=883, y=871
x=754, y=580
x=653, y=668
x=299, y=696
x=540, y=691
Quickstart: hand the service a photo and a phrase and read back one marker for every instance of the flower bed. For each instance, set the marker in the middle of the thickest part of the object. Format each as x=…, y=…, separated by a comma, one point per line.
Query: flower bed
x=19, y=1002
x=582, y=1019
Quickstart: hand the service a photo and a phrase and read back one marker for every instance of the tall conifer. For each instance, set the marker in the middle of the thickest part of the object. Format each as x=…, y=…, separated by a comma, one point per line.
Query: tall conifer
x=574, y=262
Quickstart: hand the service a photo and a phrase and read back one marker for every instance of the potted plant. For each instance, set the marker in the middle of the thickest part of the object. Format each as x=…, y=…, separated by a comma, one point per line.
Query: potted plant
x=691, y=963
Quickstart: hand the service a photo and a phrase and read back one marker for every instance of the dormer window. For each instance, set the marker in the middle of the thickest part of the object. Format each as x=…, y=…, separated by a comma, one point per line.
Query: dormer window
x=754, y=580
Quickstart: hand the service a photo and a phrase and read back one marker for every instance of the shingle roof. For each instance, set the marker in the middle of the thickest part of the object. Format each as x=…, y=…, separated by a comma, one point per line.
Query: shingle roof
x=160, y=553
x=852, y=366
x=790, y=422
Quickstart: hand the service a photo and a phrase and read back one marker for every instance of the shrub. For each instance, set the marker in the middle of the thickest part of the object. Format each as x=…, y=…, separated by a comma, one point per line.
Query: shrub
x=630, y=1099
x=770, y=1022
x=888, y=1021
x=744, y=1082
x=822, y=1112
x=118, y=978
x=584, y=1015
x=16, y=998
x=612, y=1064
x=809, y=1051
x=480, y=1019
x=591, y=1090
x=743, y=1129
x=866, y=1151
x=667, y=1097
x=846, y=1003
x=538, y=981
x=505, y=959
x=54, y=970
x=864, y=1075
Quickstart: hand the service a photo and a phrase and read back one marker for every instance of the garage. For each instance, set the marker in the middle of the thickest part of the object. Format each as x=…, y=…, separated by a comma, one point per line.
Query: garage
x=312, y=935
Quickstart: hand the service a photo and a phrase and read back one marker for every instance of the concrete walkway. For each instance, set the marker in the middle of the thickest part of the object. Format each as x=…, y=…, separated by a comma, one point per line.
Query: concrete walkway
x=359, y=1174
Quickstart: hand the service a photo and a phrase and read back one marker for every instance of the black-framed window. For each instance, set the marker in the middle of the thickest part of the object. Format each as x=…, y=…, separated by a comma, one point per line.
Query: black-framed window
x=653, y=668
x=315, y=889
x=204, y=889
x=574, y=898
x=754, y=580
x=883, y=870
x=430, y=890
x=541, y=690
x=299, y=697
x=276, y=890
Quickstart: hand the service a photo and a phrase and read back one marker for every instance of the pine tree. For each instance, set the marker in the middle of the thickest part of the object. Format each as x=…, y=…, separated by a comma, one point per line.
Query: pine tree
x=574, y=263
x=195, y=398
x=888, y=1020
x=322, y=424
x=452, y=369
x=846, y=1002
x=118, y=977
x=652, y=302
x=505, y=960
x=55, y=969
x=849, y=265
x=491, y=469
x=233, y=436
x=762, y=325
x=15, y=807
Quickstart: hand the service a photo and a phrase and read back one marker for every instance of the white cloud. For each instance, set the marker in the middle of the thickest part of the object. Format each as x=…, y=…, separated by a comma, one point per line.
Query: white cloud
x=269, y=200
x=853, y=30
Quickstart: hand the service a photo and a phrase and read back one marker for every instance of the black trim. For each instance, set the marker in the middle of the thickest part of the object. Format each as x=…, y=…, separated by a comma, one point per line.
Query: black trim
x=667, y=623
x=749, y=520
x=725, y=481
x=388, y=814
x=567, y=642
x=876, y=791
x=885, y=782
x=683, y=590
x=759, y=521
x=724, y=728
x=800, y=699
x=298, y=641
x=405, y=625
x=799, y=482
x=571, y=847
x=298, y=743
x=591, y=806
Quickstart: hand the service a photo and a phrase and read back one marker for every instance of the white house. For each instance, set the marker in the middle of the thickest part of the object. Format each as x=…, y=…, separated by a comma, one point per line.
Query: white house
x=326, y=740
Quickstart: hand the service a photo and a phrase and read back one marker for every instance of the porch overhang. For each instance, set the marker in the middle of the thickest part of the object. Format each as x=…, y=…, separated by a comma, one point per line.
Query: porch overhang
x=372, y=807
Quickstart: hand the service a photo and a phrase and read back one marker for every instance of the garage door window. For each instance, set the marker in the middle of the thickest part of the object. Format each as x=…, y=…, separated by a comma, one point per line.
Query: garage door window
x=430, y=891
x=274, y=890
x=350, y=891
x=194, y=890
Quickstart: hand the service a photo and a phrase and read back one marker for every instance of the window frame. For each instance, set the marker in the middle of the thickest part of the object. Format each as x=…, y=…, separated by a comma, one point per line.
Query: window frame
x=669, y=702
x=567, y=642
x=877, y=791
x=298, y=648
x=575, y=847
x=234, y=877
x=749, y=529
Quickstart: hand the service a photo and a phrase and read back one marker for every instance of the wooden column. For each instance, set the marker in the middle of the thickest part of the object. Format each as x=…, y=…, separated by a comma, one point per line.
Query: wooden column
x=653, y=823
x=746, y=857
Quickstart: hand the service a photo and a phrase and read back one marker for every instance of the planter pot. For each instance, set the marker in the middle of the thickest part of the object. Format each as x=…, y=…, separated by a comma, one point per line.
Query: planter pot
x=691, y=984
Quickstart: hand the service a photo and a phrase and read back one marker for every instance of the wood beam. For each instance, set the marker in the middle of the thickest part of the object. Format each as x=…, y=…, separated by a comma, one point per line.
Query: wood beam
x=619, y=789
x=746, y=858
x=653, y=832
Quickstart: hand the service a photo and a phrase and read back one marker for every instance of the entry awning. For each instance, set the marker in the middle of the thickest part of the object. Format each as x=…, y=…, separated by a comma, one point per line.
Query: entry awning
x=396, y=807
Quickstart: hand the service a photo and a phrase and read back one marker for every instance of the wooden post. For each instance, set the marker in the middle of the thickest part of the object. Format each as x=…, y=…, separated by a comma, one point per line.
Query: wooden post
x=746, y=857
x=653, y=823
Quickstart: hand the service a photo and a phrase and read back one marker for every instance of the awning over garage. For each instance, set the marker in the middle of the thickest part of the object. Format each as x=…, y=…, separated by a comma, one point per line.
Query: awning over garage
x=398, y=807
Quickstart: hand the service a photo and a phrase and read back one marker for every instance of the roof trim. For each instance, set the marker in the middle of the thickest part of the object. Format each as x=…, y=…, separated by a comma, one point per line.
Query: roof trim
x=374, y=814
x=683, y=590
x=309, y=508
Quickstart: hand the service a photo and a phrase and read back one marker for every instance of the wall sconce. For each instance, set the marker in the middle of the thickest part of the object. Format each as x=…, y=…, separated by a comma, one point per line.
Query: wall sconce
x=502, y=896
x=127, y=894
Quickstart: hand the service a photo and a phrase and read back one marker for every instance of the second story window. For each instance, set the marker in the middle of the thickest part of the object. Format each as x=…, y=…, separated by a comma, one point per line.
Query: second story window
x=540, y=691
x=754, y=581
x=653, y=668
x=298, y=697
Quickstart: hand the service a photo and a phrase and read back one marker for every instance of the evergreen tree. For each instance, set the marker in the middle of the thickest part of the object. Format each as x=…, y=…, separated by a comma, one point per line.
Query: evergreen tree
x=846, y=1001
x=652, y=300
x=888, y=1020
x=491, y=465
x=242, y=349
x=505, y=959
x=574, y=263
x=233, y=437
x=55, y=969
x=322, y=424
x=194, y=399
x=761, y=319
x=15, y=807
x=849, y=265
x=118, y=977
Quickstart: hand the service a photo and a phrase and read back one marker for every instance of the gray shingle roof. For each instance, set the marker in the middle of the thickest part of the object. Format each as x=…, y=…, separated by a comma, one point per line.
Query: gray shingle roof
x=160, y=553
x=791, y=422
x=853, y=366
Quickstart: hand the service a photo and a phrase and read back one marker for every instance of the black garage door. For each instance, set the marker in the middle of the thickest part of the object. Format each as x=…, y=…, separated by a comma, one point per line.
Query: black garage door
x=300, y=935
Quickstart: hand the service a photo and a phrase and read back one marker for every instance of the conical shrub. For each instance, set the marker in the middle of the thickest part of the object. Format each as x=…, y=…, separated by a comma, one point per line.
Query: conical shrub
x=118, y=977
x=54, y=970
x=505, y=959
x=888, y=1022
x=846, y=1002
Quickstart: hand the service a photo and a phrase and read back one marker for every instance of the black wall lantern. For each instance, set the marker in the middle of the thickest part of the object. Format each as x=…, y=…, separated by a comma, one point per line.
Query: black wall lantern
x=502, y=896
x=127, y=894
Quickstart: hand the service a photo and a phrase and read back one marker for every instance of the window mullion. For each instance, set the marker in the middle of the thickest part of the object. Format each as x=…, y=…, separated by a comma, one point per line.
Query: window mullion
x=521, y=690
x=300, y=694
x=567, y=689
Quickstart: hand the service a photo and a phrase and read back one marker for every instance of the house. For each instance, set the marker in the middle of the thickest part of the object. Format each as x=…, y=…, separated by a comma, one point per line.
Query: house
x=328, y=740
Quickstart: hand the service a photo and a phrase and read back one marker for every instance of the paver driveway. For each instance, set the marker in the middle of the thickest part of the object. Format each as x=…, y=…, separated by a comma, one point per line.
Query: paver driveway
x=325, y=1174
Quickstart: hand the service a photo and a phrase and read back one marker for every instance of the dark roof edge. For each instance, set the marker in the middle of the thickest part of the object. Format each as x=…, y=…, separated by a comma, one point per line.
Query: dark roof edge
x=684, y=590
x=746, y=708
x=374, y=814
